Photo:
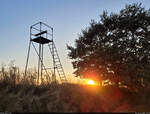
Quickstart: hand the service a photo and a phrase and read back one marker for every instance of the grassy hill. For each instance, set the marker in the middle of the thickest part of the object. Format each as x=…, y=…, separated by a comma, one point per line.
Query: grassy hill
x=70, y=98
x=21, y=94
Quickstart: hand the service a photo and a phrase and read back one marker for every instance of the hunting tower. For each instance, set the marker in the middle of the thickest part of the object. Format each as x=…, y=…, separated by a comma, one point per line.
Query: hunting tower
x=42, y=34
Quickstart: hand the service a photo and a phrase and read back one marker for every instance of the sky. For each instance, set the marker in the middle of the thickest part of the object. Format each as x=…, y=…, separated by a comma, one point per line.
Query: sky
x=67, y=17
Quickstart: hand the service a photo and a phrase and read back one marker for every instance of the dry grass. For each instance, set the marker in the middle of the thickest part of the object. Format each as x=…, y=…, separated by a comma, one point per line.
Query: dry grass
x=19, y=94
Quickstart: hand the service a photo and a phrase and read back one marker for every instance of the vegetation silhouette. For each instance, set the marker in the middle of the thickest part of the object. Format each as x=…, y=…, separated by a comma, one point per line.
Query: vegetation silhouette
x=23, y=95
x=117, y=47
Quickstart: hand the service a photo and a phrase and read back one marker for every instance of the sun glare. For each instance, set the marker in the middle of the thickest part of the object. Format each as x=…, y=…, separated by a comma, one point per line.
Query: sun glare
x=91, y=82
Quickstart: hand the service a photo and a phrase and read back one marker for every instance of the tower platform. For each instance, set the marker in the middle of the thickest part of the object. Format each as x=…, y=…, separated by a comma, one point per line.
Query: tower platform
x=41, y=40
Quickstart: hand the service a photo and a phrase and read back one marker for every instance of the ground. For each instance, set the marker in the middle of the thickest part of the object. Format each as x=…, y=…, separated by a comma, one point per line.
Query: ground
x=70, y=98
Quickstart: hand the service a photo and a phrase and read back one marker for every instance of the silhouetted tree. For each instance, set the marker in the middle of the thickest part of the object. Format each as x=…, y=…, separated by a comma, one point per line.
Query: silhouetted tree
x=116, y=48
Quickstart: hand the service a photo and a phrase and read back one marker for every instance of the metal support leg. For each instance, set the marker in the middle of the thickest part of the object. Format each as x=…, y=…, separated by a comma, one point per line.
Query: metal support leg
x=53, y=57
x=27, y=58
x=39, y=63
x=42, y=64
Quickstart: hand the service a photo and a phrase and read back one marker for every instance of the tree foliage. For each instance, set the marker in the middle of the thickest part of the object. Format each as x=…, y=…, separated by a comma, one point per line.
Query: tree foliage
x=117, y=47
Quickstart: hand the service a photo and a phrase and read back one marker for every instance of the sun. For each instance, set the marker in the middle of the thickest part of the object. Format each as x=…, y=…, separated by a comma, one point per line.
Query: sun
x=91, y=82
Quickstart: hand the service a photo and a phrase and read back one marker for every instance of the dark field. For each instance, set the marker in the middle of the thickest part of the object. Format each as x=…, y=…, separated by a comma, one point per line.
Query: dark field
x=71, y=98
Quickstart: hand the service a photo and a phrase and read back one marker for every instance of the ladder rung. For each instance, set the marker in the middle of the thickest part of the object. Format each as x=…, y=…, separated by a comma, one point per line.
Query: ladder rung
x=58, y=64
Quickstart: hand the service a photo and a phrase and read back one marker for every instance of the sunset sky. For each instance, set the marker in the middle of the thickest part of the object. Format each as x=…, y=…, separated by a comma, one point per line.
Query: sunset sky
x=67, y=17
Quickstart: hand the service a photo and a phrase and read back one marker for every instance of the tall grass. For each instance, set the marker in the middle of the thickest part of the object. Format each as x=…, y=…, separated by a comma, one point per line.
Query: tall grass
x=13, y=76
x=20, y=93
